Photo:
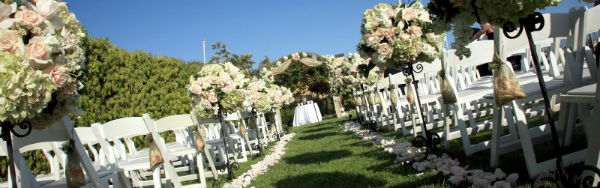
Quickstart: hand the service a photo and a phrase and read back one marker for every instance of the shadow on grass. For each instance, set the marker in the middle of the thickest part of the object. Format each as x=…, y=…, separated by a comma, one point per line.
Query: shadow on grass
x=317, y=129
x=318, y=157
x=428, y=181
x=330, y=179
x=317, y=136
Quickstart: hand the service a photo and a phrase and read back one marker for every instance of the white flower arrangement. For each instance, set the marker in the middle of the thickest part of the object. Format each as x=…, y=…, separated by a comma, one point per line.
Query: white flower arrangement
x=41, y=55
x=280, y=96
x=217, y=84
x=258, y=95
x=460, y=15
x=394, y=35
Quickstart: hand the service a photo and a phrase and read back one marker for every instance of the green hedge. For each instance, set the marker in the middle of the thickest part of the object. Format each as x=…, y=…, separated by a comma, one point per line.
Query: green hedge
x=119, y=83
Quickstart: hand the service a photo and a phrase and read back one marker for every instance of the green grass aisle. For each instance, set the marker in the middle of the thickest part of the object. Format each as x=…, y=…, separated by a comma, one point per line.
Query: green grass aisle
x=325, y=156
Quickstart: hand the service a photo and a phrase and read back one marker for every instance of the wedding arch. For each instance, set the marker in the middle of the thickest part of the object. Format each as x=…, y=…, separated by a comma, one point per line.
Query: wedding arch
x=311, y=60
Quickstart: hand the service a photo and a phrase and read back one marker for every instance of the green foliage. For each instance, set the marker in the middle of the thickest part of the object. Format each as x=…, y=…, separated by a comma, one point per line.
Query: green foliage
x=242, y=61
x=221, y=52
x=119, y=83
x=298, y=76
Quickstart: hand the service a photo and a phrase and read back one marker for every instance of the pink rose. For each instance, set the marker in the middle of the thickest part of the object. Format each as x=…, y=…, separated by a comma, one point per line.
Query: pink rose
x=206, y=104
x=29, y=16
x=212, y=97
x=224, y=78
x=196, y=90
x=228, y=88
x=372, y=40
x=387, y=33
x=68, y=90
x=385, y=50
x=60, y=76
x=416, y=31
x=10, y=41
x=39, y=52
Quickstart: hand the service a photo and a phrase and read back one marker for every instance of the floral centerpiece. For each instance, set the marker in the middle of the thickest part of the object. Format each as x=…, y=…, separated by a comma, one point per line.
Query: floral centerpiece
x=216, y=86
x=461, y=14
x=280, y=96
x=259, y=95
x=395, y=35
x=267, y=75
x=40, y=62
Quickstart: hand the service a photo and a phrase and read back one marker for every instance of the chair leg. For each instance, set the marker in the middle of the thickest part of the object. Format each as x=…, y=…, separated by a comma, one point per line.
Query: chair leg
x=526, y=143
x=200, y=166
x=123, y=180
x=592, y=157
x=496, y=134
x=156, y=177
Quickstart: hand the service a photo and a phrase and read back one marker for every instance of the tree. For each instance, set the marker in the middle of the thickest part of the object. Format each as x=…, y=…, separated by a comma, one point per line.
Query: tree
x=265, y=63
x=221, y=52
x=244, y=61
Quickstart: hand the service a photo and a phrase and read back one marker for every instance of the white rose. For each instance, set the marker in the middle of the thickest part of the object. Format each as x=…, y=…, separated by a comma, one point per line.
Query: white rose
x=49, y=9
x=415, y=31
x=6, y=10
x=409, y=14
x=10, y=41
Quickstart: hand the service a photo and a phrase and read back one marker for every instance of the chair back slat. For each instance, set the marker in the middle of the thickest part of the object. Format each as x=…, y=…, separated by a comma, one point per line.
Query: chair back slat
x=174, y=122
x=124, y=127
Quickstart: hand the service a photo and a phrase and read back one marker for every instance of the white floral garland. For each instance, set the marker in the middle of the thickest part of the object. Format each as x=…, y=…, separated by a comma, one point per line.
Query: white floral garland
x=447, y=166
x=261, y=167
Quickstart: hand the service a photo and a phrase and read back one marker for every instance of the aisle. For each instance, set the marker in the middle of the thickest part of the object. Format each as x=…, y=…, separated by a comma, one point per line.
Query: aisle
x=324, y=156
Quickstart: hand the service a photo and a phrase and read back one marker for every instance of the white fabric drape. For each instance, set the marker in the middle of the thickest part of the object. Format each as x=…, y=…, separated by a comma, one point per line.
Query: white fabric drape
x=307, y=113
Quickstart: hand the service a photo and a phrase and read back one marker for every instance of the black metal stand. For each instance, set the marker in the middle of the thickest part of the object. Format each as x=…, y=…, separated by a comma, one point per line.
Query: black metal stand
x=259, y=146
x=430, y=140
x=562, y=177
x=8, y=128
x=229, y=165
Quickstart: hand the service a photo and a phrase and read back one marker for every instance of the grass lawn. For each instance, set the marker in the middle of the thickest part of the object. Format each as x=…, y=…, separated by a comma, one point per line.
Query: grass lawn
x=322, y=155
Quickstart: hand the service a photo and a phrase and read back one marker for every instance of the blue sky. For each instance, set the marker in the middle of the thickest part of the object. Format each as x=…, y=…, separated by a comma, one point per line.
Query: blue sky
x=271, y=28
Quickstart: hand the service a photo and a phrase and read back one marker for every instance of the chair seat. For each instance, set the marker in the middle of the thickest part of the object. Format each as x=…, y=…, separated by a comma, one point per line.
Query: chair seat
x=141, y=159
x=585, y=90
x=48, y=181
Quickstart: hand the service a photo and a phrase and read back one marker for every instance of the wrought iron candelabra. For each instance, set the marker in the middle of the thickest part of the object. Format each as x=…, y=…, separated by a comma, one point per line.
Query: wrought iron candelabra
x=563, y=176
x=224, y=135
x=259, y=145
x=7, y=129
x=430, y=139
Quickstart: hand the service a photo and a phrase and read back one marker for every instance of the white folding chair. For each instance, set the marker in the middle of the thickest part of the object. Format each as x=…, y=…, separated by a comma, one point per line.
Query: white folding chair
x=134, y=162
x=527, y=137
x=51, y=138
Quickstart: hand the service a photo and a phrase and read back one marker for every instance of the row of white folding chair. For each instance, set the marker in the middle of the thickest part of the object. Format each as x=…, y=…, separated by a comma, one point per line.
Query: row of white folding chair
x=584, y=102
x=578, y=101
x=51, y=139
x=360, y=109
x=470, y=98
x=573, y=77
x=135, y=162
